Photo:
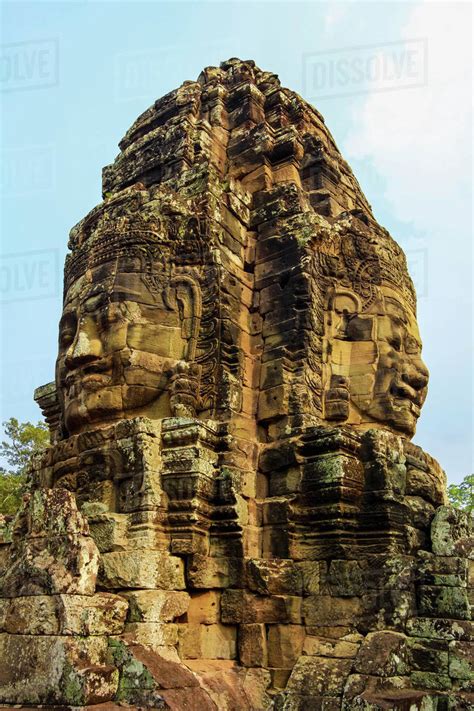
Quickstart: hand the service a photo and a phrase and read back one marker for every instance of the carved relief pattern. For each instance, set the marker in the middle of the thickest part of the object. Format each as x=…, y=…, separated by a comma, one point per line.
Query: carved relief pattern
x=231, y=513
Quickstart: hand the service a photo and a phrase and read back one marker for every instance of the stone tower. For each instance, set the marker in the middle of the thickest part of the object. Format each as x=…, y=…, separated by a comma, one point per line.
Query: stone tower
x=231, y=514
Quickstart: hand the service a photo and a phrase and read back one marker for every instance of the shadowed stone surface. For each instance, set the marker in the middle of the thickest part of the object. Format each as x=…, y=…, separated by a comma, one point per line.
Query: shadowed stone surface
x=231, y=515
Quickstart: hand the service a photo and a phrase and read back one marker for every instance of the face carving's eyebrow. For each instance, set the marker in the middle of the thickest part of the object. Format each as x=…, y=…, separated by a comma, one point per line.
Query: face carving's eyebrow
x=93, y=305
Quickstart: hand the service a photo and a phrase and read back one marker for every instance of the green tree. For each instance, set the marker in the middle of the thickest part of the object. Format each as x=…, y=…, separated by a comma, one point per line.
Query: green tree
x=24, y=440
x=462, y=495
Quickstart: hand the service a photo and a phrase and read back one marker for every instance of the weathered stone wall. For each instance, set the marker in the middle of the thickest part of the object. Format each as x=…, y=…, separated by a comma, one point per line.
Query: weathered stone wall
x=231, y=514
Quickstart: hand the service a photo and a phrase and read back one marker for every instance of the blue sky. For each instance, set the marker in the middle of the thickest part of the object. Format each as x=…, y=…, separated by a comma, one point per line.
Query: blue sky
x=391, y=79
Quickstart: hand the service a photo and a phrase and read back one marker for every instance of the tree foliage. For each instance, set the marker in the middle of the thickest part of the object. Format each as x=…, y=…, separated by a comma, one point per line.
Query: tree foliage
x=24, y=440
x=11, y=492
x=462, y=495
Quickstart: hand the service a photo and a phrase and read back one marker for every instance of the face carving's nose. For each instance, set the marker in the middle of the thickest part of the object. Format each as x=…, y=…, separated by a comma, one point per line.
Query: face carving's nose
x=83, y=350
x=416, y=375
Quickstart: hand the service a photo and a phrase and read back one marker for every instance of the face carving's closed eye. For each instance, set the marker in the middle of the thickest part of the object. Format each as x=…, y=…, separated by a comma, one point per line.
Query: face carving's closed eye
x=412, y=347
x=396, y=343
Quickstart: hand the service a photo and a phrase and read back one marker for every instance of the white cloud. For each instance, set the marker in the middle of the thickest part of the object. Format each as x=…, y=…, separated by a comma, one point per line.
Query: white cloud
x=336, y=11
x=418, y=138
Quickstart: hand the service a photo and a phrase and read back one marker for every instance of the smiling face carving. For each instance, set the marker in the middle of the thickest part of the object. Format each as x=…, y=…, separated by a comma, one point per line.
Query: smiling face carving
x=119, y=344
x=374, y=372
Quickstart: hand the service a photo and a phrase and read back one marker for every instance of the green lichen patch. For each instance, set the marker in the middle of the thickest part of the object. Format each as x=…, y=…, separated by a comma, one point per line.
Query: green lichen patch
x=72, y=686
x=136, y=684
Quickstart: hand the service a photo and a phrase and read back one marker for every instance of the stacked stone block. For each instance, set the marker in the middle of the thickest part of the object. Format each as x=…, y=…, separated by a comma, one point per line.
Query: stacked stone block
x=231, y=514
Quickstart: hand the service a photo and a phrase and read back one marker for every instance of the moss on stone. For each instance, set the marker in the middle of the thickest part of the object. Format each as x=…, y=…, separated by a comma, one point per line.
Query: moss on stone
x=135, y=681
x=72, y=686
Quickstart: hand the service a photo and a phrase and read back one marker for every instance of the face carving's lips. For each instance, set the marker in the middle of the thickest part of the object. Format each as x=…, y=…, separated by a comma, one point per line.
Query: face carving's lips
x=98, y=373
x=407, y=406
x=401, y=391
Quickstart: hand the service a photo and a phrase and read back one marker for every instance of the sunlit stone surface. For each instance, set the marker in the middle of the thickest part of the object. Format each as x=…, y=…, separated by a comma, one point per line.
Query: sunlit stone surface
x=231, y=514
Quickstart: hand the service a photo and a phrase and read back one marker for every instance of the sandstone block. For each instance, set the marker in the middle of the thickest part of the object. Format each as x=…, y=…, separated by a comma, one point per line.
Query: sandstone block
x=194, y=699
x=238, y=606
x=34, y=614
x=421, y=510
x=141, y=569
x=323, y=647
x=430, y=680
x=280, y=678
x=451, y=532
x=326, y=610
x=442, y=570
x=330, y=632
x=66, y=564
x=256, y=682
x=204, y=607
x=375, y=694
x=392, y=608
x=152, y=634
x=205, y=572
x=274, y=577
x=55, y=670
x=461, y=661
x=275, y=511
x=207, y=641
x=90, y=685
x=109, y=531
x=285, y=645
x=102, y=613
x=443, y=601
x=382, y=654
x=429, y=485
x=429, y=655
x=345, y=578
x=310, y=571
x=317, y=676
x=156, y=605
x=273, y=402
x=252, y=645
x=143, y=674
x=99, y=614
x=53, y=513
x=440, y=628
x=396, y=573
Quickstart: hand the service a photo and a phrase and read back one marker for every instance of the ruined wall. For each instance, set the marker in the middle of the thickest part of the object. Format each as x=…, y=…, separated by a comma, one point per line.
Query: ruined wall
x=231, y=514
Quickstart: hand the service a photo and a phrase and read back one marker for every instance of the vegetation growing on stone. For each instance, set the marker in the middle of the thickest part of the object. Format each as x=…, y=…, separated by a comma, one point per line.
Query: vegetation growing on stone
x=232, y=513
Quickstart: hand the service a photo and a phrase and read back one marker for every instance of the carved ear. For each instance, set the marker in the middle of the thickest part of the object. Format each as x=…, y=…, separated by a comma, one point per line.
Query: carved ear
x=352, y=325
x=345, y=302
x=336, y=399
x=184, y=293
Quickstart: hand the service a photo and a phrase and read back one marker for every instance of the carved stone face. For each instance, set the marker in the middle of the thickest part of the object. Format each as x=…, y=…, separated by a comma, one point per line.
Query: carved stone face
x=119, y=343
x=375, y=373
